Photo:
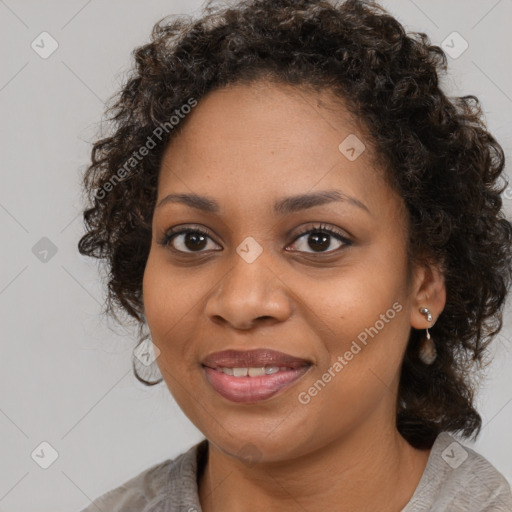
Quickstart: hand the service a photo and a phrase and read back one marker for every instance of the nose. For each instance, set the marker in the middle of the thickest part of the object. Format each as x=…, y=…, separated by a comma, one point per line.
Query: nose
x=249, y=293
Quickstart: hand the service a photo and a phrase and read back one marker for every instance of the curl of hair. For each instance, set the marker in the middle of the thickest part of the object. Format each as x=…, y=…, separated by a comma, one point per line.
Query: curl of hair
x=436, y=152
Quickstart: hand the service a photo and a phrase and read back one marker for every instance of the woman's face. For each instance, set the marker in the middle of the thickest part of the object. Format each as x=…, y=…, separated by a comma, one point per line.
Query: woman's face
x=340, y=308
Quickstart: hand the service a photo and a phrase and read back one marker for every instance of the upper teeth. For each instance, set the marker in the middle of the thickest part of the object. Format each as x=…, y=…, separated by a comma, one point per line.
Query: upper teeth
x=252, y=372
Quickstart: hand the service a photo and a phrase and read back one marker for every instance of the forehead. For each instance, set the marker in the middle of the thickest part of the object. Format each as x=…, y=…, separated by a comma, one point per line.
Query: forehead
x=269, y=140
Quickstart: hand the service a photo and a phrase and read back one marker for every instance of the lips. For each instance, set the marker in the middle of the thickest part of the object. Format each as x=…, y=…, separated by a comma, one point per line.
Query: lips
x=253, y=359
x=253, y=375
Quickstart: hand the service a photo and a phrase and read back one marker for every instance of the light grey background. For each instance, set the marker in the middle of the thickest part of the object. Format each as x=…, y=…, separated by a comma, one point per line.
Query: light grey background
x=65, y=374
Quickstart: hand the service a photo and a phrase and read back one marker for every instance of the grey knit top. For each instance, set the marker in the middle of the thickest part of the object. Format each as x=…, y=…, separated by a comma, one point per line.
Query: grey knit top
x=456, y=479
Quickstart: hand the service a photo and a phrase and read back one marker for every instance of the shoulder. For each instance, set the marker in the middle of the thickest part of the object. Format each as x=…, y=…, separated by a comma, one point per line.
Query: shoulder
x=168, y=485
x=459, y=479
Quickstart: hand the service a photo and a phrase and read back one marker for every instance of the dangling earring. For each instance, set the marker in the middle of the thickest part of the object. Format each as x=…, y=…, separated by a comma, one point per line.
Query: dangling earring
x=144, y=358
x=427, y=352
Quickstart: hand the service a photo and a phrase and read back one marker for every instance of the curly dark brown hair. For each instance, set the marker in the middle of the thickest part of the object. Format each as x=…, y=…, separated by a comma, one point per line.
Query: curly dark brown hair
x=436, y=152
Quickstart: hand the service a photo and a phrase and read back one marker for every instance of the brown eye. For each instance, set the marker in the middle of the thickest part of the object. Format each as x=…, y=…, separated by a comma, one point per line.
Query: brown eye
x=319, y=240
x=186, y=240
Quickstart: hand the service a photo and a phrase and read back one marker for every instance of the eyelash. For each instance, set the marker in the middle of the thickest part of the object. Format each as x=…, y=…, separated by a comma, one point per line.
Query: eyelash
x=322, y=228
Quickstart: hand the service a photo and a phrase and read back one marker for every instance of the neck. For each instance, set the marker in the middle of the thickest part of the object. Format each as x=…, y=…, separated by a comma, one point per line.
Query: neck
x=362, y=471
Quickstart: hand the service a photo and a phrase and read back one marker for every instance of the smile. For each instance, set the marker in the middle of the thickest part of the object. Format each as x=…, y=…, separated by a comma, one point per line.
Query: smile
x=249, y=385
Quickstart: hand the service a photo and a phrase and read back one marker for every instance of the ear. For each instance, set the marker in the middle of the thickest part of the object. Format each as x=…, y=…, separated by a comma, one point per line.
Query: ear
x=428, y=291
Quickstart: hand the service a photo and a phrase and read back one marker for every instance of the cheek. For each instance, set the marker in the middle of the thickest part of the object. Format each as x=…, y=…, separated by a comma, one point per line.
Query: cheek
x=169, y=293
x=167, y=302
x=157, y=294
x=174, y=301
x=361, y=299
x=366, y=309
x=359, y=372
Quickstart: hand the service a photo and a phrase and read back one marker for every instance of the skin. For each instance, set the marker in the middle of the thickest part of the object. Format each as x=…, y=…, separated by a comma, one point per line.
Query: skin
x=247, y=146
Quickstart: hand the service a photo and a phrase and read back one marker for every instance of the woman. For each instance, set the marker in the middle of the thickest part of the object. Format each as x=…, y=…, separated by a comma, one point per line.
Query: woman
x=310, y=233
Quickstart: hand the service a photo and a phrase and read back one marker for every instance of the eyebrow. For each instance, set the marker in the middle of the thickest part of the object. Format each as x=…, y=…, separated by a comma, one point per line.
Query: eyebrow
x=282, y=206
